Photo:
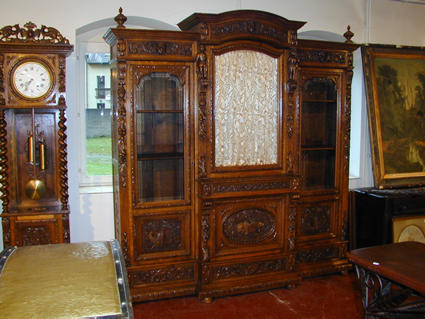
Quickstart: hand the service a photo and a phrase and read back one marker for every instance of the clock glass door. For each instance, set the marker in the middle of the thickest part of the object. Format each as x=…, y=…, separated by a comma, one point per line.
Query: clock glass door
x=34, y=141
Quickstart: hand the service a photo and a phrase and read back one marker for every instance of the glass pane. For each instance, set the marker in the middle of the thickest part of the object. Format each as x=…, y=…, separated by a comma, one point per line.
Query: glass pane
x=318, y=132
x=318, y=169
x=160, y=91
x=246, y=108
x=160, y=133
x=319, y=124
x=160, y=138
x=98, y=115
x=320, y=89
x=162, y=179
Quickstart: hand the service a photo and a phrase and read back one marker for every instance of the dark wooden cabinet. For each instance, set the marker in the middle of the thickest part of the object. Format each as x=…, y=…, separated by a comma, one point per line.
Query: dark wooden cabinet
x=33, y=148
x=231, y=146
x=376, y=210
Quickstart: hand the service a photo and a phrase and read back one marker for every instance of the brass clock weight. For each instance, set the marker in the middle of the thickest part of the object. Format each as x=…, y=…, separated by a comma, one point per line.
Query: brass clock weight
x=33, y=149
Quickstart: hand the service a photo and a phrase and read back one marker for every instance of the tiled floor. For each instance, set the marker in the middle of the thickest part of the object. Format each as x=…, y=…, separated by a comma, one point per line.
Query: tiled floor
x=327, y=297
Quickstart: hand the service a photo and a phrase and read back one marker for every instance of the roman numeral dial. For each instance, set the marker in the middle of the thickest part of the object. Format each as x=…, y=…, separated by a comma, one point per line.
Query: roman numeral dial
x=32, y=79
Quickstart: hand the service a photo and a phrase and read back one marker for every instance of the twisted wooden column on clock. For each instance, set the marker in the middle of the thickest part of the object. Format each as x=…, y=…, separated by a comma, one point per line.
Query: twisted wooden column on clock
x=63, y=162
x=4, y=188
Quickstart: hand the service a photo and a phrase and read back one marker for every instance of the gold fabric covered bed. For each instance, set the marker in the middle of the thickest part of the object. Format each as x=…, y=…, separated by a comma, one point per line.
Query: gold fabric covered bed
x=64, y=281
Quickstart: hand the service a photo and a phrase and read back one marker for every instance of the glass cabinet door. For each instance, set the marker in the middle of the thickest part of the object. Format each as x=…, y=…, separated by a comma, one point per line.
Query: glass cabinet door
x=318, y=132
x=160, y=138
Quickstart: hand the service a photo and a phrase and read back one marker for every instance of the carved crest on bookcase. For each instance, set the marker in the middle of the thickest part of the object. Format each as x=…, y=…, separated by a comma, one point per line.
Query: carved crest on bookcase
x=248, y=27
x=249, y=226
x=30, y=33
x=322, y=56
x=165, y=274
x=159, y=48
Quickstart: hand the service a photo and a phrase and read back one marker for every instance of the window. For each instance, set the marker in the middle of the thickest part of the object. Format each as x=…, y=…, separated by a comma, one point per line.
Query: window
x=100, y=90
x=95, y=112
x=94, y=97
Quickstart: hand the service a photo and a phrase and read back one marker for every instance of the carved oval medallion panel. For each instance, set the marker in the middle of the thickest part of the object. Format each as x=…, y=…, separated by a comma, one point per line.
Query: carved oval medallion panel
x=249, y=226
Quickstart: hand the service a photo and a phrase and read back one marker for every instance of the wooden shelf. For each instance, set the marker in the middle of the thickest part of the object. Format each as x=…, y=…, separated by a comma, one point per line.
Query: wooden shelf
x=154, y=156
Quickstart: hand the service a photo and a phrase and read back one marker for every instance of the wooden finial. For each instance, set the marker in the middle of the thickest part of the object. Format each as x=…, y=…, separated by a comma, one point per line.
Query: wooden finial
x=348, y=35
x=120, y=19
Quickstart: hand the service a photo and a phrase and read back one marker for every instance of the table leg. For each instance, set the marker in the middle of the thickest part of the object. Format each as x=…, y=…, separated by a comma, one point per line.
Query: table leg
x=384, y=299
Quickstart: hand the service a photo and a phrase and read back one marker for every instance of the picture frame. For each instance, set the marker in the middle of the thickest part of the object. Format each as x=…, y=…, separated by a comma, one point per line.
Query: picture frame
x=394, y=80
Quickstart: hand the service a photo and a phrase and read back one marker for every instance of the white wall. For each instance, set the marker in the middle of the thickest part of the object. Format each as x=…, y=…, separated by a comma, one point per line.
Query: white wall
x=378, y=21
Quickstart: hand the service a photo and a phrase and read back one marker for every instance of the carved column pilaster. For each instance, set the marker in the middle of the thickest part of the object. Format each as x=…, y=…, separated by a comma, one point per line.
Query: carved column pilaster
x=292, y=218
x=63, y=162
x=205, y=235
x=4, y=176
x=292, y=97
x=62, y=72
x=121, y=125
x=2, y=97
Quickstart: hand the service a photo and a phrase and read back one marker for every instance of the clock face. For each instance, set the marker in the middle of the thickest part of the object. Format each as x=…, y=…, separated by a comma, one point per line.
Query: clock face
x=32, y=79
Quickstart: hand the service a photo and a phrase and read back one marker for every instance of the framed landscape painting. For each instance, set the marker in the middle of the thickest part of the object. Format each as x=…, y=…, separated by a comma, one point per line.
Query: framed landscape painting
x=395, y=91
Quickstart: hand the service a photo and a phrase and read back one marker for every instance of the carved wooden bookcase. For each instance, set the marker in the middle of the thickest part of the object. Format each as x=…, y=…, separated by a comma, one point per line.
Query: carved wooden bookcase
x=33, y=149
x=231, y=146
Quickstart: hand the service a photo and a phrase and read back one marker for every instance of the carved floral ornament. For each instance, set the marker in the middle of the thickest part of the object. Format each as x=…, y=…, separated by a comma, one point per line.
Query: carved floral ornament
x=30, y=33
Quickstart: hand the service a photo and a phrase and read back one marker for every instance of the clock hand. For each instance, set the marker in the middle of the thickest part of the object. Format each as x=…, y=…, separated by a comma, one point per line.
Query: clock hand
x=28, y=83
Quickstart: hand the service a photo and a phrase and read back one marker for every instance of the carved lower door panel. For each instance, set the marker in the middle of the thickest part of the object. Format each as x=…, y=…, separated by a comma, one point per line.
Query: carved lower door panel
x=245, y=246
x=162, y=248
x=34, y=229
x=320, y=239
x=150, y=282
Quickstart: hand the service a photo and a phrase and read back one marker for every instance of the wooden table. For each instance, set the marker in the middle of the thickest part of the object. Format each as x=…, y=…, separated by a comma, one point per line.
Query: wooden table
x=392, y=279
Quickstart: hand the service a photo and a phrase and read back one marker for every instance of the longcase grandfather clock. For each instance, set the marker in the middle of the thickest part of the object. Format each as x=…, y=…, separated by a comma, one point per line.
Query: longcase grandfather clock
x=33, y=149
